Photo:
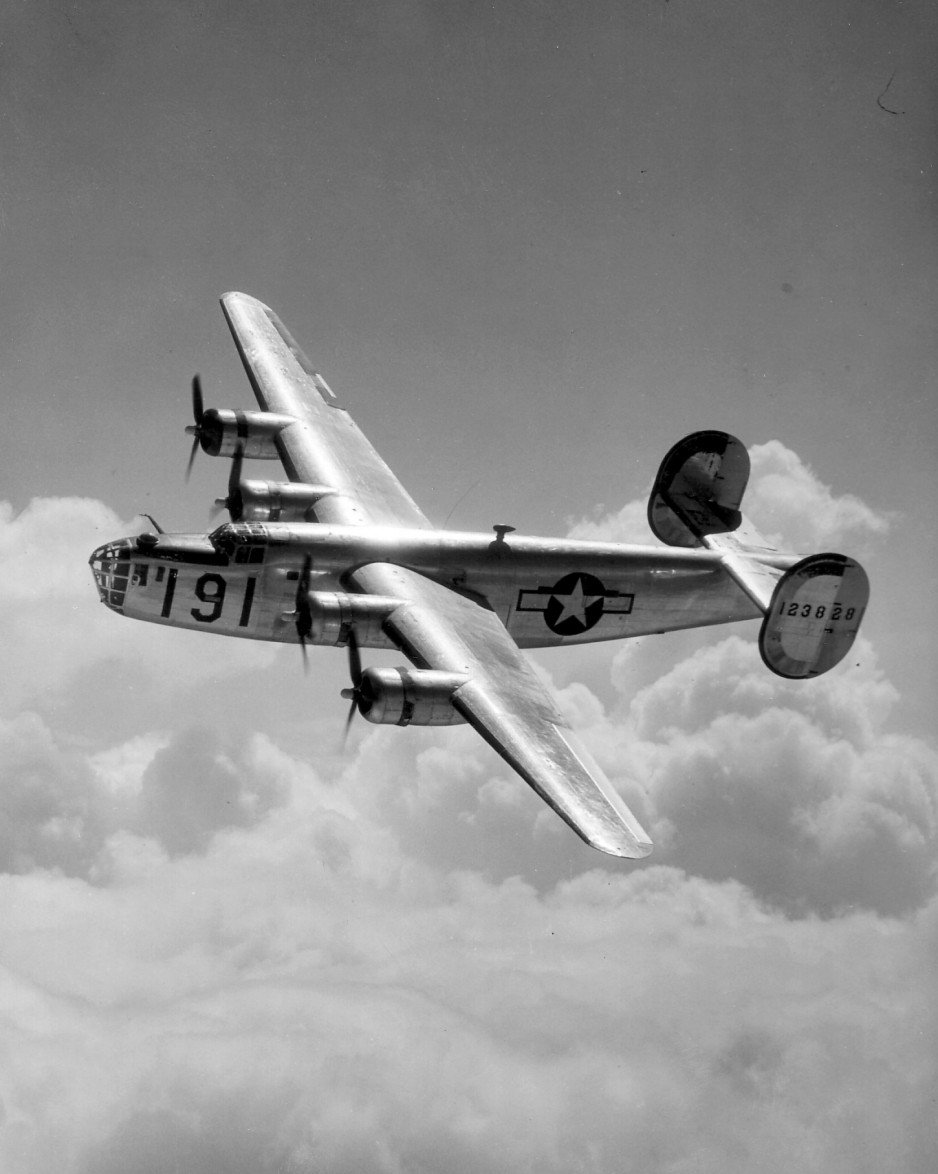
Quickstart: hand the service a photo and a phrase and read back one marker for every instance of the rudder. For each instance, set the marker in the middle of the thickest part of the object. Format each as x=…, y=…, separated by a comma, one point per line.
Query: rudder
x=699, y=488
x=814, y=615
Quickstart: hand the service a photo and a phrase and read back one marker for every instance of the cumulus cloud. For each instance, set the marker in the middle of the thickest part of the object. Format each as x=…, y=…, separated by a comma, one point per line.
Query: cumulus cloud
x=59, y=807
x=628, y=524
x=794, y=506
x=224, y=953
x=797, y=789
x=263, y=1007
x=51, y=814
x=193, y=786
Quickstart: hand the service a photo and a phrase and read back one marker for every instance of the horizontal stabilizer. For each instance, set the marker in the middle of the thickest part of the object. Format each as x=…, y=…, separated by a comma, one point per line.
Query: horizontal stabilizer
x=814, y=615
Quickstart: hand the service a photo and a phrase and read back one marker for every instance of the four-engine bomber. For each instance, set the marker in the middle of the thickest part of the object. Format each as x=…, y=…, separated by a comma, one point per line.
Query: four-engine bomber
x=340, y=555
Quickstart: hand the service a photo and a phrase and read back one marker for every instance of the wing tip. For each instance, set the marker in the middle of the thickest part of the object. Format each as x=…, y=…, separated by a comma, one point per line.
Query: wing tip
x=640, y=850
x=621, y=834
x=628, y=846
x=235, y=297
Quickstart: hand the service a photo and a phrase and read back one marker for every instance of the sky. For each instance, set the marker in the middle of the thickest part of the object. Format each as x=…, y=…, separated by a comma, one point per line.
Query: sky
x=531, y=245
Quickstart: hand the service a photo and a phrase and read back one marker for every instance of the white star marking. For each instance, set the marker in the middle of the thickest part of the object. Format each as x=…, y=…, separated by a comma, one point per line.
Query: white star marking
x=575, y=604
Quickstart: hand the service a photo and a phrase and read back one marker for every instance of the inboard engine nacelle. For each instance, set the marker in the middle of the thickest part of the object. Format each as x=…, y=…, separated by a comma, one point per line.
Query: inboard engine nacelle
x=335, y=617
x=275, y=501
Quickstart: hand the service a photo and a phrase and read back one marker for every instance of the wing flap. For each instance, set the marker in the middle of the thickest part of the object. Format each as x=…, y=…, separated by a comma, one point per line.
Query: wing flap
x=506, y=703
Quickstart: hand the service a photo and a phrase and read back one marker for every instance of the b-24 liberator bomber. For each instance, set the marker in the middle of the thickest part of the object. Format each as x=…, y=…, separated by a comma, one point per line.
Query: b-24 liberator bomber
x=339, y=554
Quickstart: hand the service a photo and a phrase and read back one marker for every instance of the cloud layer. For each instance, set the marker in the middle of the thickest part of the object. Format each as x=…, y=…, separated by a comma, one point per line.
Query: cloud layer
x=223, y=953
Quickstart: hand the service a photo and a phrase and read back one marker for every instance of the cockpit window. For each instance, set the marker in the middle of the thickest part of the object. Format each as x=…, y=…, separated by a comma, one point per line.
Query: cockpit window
x=249, y=554
x=244, y=542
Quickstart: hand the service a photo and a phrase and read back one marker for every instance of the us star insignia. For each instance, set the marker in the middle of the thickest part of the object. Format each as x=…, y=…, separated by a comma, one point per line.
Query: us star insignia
x=575, y=603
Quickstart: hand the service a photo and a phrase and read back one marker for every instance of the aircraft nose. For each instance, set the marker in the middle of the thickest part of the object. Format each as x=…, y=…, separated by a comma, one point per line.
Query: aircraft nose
x=110, y=565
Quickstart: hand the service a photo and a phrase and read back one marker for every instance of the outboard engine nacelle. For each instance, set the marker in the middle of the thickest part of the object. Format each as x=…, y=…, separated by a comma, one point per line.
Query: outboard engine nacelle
x=275, y=501
x=409, y=697
x=223, y=432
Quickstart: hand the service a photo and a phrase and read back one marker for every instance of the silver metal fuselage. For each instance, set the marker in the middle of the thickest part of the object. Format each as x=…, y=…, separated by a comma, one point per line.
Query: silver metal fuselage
x=242, y=579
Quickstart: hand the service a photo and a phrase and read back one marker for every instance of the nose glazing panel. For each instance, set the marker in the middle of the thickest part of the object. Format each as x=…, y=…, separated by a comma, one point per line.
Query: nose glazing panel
x=110, y=566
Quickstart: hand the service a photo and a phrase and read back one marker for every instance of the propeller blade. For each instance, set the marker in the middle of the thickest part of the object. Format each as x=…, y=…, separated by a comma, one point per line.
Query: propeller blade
x=355, y=672
x=192, y=452
x=195, y=430
x=301, y=608
x=302, y=586
x=354, y=659
x=348, y=721
x=233, y=500
x=198, y=406
x=234, y=475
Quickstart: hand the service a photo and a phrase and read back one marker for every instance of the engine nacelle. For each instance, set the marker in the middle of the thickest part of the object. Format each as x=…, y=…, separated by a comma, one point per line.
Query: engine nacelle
x=409, y=697
x=275, y=501
x=223, y=432
x=333, y=614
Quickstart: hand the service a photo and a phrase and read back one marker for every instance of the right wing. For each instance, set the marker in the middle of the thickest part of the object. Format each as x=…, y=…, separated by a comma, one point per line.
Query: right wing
x=437, y=628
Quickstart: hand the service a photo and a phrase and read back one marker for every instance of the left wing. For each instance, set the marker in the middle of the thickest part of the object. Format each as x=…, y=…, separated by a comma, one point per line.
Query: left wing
x=436, y=628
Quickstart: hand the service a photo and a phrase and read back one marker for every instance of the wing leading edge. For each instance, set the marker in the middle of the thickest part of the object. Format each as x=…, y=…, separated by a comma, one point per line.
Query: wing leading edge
x=505, y=702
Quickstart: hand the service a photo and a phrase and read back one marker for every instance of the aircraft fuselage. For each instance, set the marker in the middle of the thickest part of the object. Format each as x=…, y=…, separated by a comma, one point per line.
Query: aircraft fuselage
x=242, y=579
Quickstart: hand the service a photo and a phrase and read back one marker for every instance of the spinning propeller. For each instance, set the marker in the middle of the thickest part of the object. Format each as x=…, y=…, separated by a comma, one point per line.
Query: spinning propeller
x=355, y=672
x=196, y=430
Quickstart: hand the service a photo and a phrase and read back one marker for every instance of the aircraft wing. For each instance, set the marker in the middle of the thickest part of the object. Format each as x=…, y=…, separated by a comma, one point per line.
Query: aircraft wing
x=437, y=628
x=324, y=446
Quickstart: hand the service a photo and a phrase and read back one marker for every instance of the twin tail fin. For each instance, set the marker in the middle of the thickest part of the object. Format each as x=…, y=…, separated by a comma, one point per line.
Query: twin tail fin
x=812, y=606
